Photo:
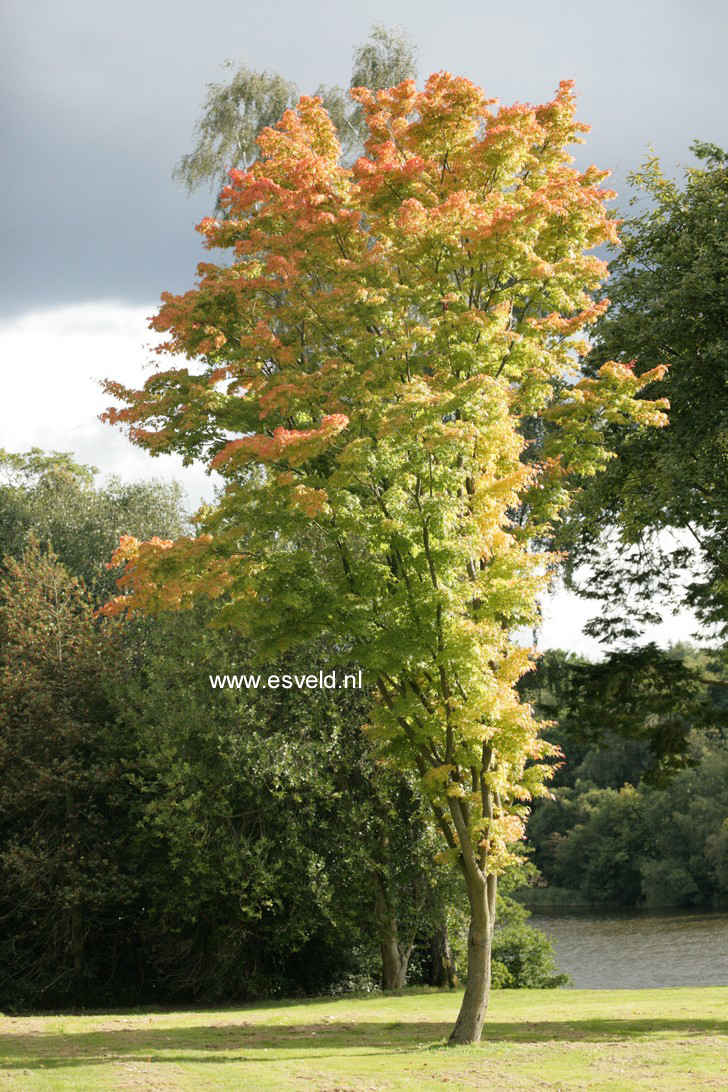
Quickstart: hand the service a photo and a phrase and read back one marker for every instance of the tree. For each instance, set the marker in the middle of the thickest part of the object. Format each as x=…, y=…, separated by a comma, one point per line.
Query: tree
x=639, y=706
x=62, y=504
x=659, y=846
x=646, y=720
x=669, y=295
x=234, y=113
x=65, y=881
x=689, y=866
x=233, y=786
x=365, y=371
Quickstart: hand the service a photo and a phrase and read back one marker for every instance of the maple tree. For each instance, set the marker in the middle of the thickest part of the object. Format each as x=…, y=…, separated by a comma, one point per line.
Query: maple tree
x=364, y=374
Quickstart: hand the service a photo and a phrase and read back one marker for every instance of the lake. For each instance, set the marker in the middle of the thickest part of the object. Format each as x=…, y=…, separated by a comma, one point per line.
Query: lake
x=616, y=950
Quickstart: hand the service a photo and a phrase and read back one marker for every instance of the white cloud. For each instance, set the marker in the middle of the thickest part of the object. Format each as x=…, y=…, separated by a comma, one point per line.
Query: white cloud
x=52, y=362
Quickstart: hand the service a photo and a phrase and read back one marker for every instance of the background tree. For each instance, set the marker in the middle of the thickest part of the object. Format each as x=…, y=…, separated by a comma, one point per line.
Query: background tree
x=63, y=505
x=638, y=806
x=669, y=307
x=65, y=880
x=237, y=784
x=236, y=112
x=638, y=705
x=195, y=916
x=375, y=346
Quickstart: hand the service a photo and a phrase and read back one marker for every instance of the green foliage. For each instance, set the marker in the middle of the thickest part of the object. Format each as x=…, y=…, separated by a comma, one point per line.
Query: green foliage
x=164, y=840
x=65, y=881
x=648, y=720
x=262, y=821
x=523, y=957
x=216, y=794
x=628, y=717
x=602, y=854
x=384, y=60
x=657, y=845
x=688, y=830
x=669, y=294
x=59, y=501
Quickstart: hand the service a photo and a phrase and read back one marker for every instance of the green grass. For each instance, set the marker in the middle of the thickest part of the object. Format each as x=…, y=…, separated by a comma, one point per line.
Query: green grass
x=565, y=1039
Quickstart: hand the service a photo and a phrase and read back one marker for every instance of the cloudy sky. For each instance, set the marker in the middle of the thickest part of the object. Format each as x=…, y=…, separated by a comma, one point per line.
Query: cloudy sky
x=100, y=101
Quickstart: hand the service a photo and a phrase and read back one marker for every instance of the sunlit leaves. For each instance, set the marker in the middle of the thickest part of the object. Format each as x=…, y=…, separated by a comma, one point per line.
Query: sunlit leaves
x=362, y=371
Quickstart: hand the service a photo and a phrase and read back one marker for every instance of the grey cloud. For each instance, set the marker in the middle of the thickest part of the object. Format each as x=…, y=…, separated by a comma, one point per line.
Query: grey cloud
x=101, y=101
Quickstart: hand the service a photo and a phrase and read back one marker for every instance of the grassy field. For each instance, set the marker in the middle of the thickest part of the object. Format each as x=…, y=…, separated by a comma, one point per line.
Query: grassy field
x=616, y=1039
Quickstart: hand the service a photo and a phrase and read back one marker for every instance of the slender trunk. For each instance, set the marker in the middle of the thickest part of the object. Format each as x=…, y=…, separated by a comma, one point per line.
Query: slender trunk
x=481, y=895
x=443, y=971
x=395, y=958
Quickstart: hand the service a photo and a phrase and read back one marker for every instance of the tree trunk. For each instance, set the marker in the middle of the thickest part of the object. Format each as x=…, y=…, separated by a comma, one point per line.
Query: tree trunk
x=443, y=972
x=395, y=958
x=481, y=894
x=394, y=966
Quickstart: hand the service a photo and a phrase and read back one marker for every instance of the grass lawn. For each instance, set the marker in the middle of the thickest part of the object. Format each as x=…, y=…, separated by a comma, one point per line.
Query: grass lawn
x=661, y=1039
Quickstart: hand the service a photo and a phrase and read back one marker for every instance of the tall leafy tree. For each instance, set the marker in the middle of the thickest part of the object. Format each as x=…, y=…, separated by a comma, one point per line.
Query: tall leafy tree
x=669, y=292
x=364, y=370
x=65, y=881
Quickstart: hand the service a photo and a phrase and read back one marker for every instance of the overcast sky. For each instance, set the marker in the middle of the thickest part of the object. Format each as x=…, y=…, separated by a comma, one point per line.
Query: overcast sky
x=100, y=101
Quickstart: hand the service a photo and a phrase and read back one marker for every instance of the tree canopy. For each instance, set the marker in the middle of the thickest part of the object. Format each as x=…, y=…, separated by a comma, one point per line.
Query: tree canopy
x=62, y=504
x=365, y=370
x=669, y=308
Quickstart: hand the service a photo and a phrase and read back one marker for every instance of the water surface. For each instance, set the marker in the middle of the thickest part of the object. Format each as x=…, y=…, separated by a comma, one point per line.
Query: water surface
x=639, y=951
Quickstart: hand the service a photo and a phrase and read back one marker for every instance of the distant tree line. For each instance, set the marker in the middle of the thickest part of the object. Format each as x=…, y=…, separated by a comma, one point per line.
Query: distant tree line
x=639, y=815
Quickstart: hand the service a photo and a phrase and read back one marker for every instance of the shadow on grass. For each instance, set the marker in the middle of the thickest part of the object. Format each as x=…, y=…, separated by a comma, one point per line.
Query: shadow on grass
x=243, y=1041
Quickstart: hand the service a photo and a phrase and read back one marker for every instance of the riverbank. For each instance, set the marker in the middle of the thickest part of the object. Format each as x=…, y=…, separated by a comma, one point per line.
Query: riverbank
x=661, y=1039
